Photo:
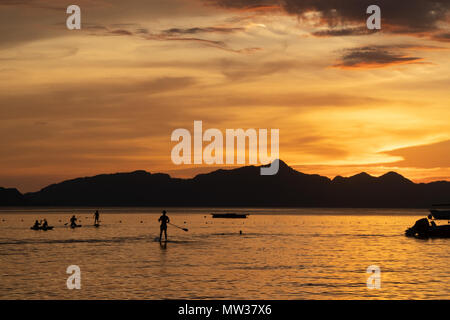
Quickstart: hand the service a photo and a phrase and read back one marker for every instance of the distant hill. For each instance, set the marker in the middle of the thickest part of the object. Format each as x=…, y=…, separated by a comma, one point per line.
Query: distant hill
x=236, y=187
x=11, y=197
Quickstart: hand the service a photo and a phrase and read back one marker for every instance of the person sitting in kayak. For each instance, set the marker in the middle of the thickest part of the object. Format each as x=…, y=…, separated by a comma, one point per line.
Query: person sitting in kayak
x=73, y=221
x=164, y=221
x=45, y=224
x=37, y=225
x=96, y=217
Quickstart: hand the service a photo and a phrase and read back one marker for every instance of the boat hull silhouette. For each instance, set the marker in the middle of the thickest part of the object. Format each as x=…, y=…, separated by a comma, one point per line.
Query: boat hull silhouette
x=229, y=215
x=422, y=229
x=440, y=214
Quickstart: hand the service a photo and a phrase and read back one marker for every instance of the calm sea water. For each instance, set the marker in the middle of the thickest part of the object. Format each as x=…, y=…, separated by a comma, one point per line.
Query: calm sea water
x=281, y=254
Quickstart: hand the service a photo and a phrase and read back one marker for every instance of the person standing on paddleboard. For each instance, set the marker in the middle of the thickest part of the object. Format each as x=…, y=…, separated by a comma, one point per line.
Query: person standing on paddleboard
x=164, y=221
x=96, y=217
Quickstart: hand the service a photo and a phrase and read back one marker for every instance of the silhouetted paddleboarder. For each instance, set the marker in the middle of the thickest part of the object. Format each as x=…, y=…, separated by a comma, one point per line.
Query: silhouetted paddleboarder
x=96, y=217
x=164, y=221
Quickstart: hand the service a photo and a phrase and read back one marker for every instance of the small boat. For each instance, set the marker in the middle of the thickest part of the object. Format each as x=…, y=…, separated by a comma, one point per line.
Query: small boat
x=229, y=215
x=425, y=229
x=73, y=226
x=440, y=214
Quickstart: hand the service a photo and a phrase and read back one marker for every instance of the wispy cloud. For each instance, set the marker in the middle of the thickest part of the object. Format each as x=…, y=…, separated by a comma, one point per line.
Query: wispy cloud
x=175, y=34
x=178, y=31
x=380, y=56
x=338, y=32
x=419, y=156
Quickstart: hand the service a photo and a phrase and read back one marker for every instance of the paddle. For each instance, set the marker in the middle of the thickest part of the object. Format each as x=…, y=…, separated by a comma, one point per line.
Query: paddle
x=66, y=223
x=184, y=229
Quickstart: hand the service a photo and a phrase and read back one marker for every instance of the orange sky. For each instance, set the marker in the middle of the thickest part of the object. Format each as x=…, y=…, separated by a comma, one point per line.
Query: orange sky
x=106, y=98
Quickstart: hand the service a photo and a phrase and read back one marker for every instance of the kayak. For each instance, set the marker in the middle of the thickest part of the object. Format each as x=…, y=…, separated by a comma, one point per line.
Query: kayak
x=42, y=228
x=75, y=226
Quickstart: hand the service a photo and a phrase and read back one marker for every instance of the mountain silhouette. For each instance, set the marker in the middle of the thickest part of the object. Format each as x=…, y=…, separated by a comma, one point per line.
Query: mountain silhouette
x=11, y=197
x=243, y=186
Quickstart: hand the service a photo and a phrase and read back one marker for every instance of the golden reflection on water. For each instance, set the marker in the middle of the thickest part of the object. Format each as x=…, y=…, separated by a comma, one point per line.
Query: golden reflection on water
x=281, y=254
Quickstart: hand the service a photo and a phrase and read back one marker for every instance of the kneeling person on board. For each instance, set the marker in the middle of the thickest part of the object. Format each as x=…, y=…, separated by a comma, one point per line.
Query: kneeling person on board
x=73, y=221
x=164, y=221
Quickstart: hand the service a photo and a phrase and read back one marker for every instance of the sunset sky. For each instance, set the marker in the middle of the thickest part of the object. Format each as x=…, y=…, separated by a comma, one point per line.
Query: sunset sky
x=106, y=98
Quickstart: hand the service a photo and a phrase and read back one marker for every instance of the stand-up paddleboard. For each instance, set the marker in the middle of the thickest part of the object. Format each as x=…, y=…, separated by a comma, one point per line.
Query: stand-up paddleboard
x=163, y=241
x=75, y=226
x=97, y=225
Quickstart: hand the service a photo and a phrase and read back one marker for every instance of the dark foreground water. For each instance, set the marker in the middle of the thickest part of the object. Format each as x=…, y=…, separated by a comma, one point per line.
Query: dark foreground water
x=281, y=254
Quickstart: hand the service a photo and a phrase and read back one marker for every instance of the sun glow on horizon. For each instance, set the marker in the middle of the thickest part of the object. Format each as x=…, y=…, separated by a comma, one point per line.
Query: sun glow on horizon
x=107, y=97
